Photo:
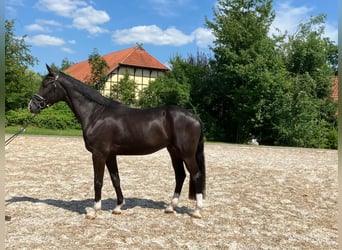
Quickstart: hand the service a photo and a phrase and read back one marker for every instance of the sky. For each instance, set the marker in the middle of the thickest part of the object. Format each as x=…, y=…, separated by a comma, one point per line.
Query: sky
x=72, y=29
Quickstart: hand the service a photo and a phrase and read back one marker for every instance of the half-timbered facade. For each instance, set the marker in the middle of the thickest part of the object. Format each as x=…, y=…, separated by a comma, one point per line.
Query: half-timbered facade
x=140, y=66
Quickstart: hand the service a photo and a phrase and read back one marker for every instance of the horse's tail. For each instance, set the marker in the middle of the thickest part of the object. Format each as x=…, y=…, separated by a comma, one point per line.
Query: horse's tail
x=201, y=166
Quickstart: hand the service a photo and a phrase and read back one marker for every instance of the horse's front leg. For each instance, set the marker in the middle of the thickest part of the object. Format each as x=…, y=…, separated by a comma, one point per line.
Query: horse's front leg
x=114, y=175
x=98, y=165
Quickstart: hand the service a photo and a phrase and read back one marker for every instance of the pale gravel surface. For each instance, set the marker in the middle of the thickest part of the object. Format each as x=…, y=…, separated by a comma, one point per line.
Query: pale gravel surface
x=257, y=198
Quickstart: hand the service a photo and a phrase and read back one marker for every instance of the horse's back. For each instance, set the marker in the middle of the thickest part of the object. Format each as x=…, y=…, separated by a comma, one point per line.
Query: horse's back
x=130, y=131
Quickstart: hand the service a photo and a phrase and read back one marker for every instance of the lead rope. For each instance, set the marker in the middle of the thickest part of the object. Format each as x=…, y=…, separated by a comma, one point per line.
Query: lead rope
x=9, y=140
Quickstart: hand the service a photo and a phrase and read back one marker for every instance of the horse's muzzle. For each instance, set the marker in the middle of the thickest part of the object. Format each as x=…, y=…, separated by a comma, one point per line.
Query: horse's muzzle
x=37, y=104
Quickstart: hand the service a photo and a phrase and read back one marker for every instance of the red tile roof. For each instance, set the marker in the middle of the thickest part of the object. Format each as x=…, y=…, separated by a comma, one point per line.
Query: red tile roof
x=135, y=56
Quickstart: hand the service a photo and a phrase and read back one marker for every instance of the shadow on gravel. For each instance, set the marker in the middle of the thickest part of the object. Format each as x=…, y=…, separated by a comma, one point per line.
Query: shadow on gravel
x=79, y=206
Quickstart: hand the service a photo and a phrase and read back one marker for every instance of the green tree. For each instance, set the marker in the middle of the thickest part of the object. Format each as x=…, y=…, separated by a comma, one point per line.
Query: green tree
x=165, y=91
x=192, y=71
x=63, y=66
x=276, y=88
x=244, y=60
x=99, y=67
x=310, y=59
x=66, y=64
x=308, y=51
x=124, y=90
x=20, y=83
x=54, y=67
x=173, y=88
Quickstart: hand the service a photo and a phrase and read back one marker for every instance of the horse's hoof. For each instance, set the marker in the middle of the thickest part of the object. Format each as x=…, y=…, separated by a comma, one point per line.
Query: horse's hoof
x=116, y=211
x=169, y=210
x=196, y=215
x=90, y=217
x=90, y=213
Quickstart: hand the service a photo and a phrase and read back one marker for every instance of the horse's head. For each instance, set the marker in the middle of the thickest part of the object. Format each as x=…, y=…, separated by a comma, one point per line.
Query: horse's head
x=49, y=93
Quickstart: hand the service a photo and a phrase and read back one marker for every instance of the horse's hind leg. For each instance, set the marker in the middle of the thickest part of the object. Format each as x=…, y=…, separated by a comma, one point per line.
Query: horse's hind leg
x=114, y=175
x=196, y=184
x=178, y=167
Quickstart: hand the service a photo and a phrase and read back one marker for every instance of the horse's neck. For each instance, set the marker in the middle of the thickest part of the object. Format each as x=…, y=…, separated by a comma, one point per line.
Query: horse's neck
x=84, y=109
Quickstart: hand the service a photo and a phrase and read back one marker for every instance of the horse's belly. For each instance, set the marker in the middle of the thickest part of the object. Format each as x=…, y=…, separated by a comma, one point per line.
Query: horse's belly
x=142, y=149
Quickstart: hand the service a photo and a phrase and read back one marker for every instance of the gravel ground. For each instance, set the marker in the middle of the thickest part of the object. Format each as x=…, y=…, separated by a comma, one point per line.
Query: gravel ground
x=257, y=198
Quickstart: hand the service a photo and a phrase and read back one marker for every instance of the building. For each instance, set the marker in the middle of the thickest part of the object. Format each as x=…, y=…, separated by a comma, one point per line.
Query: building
x=335, y=88
x=140, y=65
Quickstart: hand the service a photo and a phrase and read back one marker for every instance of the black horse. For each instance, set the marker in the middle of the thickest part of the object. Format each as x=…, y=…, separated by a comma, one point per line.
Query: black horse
x=111, y=128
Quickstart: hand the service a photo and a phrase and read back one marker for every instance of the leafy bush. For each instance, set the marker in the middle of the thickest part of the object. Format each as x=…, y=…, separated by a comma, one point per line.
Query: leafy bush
x=165, y=91
x=17, y=117
x=58, y=116
x=332, y=139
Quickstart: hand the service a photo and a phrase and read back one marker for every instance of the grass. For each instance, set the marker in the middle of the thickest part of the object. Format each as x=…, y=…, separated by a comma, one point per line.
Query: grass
x=31, y=130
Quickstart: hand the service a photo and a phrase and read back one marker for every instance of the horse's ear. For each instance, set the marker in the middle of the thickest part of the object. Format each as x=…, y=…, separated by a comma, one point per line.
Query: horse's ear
x=49, y=69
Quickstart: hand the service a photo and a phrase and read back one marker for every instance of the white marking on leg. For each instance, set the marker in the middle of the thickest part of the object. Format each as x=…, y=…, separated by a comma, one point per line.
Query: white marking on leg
x=117, y=209
x=169, y=209
x=174, y=202
x=97, y=205
x=199, y=205
x=199, y=200
x=91, y=211
x=175, y=199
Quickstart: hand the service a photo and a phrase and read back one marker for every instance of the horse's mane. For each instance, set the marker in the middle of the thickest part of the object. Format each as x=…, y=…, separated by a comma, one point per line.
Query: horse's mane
x=88, y=92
